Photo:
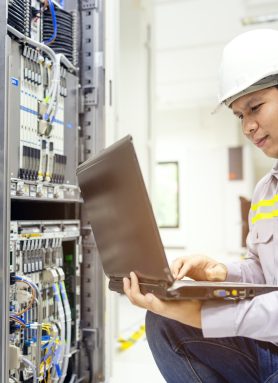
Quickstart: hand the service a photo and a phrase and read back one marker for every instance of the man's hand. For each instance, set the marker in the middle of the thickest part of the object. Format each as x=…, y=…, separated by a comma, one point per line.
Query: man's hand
x=184, y=311
x=199, y=268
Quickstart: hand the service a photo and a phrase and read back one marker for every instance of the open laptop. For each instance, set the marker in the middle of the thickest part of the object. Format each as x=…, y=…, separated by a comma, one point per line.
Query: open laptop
x=126, y=233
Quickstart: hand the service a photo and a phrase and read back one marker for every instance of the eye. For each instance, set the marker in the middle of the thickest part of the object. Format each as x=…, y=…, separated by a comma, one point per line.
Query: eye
x=238, y=115
x=255, y=107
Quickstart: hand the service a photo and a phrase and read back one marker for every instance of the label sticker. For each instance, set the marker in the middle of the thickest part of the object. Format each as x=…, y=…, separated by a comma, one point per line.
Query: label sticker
x=14, y=81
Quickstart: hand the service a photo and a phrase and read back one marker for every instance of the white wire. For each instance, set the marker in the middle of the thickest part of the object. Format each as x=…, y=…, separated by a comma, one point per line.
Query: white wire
x=39, y=308
x=43, y=47
x=73, y=378
x=57, y=59
x=28, y=363
x=63, y=331
x=68, y=64
x=32, y=284
x=68, y=332
x=53, y=94
x=61, y=315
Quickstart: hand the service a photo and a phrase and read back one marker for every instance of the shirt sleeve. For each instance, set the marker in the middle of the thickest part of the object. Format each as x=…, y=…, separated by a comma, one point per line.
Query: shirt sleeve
x=248, y=270
x=256, y=318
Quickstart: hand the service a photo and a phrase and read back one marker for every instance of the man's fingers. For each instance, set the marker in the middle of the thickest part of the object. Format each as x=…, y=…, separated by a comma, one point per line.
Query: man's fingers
x=132, y=290
x=131, y=287
x=217, y=272
x=126, y=283
x=176, y=266
x=134, y=284
x=185, y=266
x=184, y=270
x=187, y=312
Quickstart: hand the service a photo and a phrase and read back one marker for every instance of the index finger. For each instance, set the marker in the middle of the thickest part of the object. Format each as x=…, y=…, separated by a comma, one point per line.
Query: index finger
x=175, y=266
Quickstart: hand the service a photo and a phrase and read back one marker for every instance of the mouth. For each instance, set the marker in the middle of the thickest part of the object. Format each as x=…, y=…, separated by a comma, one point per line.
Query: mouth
x=261, y=141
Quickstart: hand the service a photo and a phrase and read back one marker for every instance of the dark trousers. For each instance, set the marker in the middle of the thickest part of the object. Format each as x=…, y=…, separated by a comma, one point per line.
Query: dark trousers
x=182, y=355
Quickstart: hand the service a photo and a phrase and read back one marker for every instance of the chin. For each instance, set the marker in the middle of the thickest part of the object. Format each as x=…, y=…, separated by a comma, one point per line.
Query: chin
x=270, y=154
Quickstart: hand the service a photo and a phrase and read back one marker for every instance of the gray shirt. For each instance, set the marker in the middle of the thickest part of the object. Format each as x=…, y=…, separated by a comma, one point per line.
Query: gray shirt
x=256, y=318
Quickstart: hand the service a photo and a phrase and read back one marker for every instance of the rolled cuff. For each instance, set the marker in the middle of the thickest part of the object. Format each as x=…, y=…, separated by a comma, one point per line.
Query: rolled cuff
x=218, y=319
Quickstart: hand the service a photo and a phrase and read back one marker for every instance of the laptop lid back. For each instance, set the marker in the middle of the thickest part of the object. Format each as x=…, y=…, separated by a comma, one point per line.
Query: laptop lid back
x=121, y=216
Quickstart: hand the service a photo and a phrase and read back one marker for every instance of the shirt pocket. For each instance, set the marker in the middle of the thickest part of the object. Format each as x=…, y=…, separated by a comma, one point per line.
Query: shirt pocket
x=262, y=233
x=264, y=244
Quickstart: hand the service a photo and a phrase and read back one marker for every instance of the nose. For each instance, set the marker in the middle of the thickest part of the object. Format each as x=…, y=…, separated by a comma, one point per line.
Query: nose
x=249, y=126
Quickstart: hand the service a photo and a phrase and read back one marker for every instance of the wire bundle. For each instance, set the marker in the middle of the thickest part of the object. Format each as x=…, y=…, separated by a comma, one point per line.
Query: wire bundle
x=19, y=15
x=58, y=30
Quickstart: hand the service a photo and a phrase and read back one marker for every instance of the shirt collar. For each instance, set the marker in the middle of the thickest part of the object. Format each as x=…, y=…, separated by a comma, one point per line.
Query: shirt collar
x=274, y=170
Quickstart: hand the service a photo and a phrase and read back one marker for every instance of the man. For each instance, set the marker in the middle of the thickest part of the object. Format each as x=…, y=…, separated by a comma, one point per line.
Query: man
x=216, y=342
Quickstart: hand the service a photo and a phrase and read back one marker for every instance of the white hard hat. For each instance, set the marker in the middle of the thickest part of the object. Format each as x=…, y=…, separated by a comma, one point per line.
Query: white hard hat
x=249, y=63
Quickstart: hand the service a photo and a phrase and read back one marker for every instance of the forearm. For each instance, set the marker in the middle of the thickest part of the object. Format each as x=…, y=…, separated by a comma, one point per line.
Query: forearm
x=254, y=318
x=185, y=311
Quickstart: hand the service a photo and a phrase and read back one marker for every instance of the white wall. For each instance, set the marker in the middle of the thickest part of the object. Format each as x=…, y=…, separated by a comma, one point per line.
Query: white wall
x=189, y=40
x=190, y=36
x=209, y=205
x=128, y=76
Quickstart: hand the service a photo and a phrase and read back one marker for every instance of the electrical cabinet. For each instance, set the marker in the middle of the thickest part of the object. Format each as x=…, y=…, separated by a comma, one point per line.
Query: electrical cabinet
x=51, y=110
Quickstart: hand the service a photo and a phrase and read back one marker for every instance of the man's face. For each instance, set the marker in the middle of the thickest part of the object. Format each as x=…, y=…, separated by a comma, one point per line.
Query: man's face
x=258, y=112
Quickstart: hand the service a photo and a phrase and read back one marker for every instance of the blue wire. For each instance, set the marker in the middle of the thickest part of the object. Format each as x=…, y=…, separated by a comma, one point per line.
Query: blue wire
x=12, y=316
x=45, y=346
x=54, y=22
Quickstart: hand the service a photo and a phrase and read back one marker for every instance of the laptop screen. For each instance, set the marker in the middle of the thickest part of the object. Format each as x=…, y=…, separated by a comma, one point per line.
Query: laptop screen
x=121, y=216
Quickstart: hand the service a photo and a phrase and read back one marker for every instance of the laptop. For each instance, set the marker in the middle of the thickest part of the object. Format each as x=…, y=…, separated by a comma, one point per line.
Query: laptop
x=126, y=234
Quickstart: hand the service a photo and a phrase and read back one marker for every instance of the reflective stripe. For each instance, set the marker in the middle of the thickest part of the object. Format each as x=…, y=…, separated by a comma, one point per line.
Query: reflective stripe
x=265, y=202
x=269, y=215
